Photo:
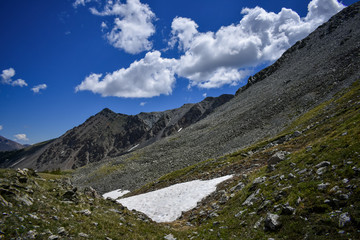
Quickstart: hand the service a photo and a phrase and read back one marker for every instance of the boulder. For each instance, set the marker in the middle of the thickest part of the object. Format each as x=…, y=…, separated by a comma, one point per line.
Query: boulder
x=277, y=157
x=344, y=219
x=272, y=222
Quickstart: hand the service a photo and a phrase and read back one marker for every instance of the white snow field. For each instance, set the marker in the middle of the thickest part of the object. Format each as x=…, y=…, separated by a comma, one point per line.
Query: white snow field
x=115, y=194
x=166, y=205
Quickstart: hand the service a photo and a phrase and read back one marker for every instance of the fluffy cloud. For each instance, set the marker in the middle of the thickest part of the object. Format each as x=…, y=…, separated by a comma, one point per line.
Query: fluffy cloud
x=1, y=127
x=208, y=59
x=80, y=2
x=21, y=137
x=213, y=59
x=39, y=87
x=7, y=75
x=148, y=77
x=132, y=26
x=142, y=104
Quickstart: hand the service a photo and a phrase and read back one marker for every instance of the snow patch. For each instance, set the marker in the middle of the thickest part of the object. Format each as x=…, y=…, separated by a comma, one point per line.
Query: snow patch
x=167, y=204
x=115, y=194
x=179, y=129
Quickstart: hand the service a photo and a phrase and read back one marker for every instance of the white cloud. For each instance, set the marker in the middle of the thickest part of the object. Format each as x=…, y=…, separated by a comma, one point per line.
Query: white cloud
x=132, y=26
x=39, y=87
x=80, y=2
x=143, y=104
x=103, y=26
x=204, y=95
x=19, y=82
x=213, y=59
x=1, y=127
x=7, y=75
x=148, y=77
x=21, y=137
x=209, y=59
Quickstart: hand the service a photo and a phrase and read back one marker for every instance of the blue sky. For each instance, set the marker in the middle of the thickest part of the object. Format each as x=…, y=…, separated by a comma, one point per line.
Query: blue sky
x=65, y=60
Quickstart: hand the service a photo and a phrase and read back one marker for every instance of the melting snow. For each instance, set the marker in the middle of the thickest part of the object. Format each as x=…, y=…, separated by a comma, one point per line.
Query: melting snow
x=115, y=194
x=166, y=205
x=179, y=129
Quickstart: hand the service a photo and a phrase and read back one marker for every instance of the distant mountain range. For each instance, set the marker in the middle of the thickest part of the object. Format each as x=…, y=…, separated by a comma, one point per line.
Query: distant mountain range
x=9, y=145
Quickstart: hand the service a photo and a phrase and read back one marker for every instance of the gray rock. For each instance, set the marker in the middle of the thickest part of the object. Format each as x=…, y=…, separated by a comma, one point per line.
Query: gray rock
x=302, y=171
x=272, y=222
x=25, y=199
x=238, y=187
x=323, y=186
x=54, y=237
x=62, y=231
x=291, y=176
x=258, y=223
x=321, y=171
x=259, y=180
x=277, y=157
x=296, y=134
x=83, y=235
x=89, y=191
x=344, y=219
x=251, y=199
x=86, y=212
x=240, y=213
x=170, y=237
x=323, y=164
x=287, y=210
x=31, y=234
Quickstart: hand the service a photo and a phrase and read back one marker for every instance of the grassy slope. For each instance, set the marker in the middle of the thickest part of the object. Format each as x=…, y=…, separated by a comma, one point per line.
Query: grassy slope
x=331, y=129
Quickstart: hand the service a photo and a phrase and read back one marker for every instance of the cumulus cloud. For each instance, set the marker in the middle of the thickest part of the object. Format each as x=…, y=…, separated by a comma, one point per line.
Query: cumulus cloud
x=132, y=25
x=80, y=2
x=6, y=78
x=143, y=104
x=39, y=87
x=1, y=127
x=21, y=137
x=208, y=59
x=212, y=59
x=148, y=77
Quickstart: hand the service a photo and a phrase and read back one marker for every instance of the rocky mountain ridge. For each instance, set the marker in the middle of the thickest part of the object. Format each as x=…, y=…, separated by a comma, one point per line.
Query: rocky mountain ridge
x=108, y=134
x=9, y=145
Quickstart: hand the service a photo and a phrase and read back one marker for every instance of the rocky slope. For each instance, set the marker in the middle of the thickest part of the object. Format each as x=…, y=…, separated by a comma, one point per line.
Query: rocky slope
x=300, y=184
x=309, y=73
x=108, y=134
x=8, y=145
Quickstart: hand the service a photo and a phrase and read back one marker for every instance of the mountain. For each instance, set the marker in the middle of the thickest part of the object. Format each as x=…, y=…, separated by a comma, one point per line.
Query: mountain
x=8, y=145
x=108, y=134
x=309, y=73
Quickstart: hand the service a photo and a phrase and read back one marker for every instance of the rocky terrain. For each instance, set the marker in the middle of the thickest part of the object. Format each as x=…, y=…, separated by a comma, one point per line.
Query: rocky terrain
x=8, y=145
x=301, y=184
x=108, y=134
x=308, y=74
x=290, y=138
